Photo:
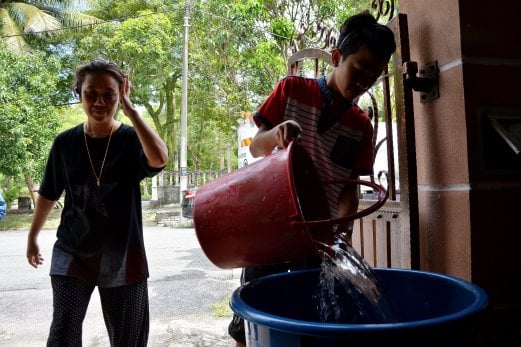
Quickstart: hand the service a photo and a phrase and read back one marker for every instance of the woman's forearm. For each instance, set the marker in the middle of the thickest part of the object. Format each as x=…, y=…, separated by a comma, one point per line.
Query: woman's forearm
x=42, y=209
x=154, y=147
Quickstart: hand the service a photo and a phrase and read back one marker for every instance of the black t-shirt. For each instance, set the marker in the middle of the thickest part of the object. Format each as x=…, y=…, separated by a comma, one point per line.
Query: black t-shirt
x=100, y=236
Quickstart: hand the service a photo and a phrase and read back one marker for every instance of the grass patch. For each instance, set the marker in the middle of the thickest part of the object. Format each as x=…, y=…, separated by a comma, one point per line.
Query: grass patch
x=149, y=216
x=222, y=309
x=18, y=220
x=15, y=220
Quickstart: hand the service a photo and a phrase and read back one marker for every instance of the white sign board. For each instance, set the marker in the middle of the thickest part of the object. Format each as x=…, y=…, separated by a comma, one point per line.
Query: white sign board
x=246, y=131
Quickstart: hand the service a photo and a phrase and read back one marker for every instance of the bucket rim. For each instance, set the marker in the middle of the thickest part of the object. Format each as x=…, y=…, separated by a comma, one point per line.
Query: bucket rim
x=303, y=327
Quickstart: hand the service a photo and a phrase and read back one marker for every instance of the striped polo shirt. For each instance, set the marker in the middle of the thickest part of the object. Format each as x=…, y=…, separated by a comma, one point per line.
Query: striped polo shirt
x=336, y=135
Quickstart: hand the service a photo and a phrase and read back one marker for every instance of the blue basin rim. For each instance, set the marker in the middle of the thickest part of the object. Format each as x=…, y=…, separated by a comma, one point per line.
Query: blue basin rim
x=296, y=326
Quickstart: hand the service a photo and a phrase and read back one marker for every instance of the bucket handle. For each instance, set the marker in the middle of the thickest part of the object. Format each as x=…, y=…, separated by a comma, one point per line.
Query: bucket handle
x=381, y=194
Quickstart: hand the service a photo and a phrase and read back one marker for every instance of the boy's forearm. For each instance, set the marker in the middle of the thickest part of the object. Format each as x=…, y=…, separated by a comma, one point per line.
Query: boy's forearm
x=348, y=205
x=348, y=201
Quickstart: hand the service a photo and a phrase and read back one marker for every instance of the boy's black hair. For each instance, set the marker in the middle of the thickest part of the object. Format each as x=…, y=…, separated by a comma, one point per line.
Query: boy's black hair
x=95, y=66
x=363, y=29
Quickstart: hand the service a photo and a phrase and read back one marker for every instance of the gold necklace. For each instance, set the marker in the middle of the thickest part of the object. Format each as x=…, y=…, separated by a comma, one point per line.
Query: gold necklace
x=98, y=178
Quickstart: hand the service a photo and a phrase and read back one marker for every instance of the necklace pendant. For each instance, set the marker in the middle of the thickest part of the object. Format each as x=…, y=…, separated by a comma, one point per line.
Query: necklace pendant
x=98, y=177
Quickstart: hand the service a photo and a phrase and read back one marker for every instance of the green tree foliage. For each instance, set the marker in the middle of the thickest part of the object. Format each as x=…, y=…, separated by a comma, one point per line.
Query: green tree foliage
x=24, y=20
x=144, y=46
x=28, y=121
x=238, y=50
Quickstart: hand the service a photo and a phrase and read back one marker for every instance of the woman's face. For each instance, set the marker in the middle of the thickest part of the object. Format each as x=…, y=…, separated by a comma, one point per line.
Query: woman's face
x=355, y=74
x=100, y=94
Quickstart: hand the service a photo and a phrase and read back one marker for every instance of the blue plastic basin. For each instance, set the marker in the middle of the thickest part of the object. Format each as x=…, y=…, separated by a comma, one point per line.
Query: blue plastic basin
x=432, y=310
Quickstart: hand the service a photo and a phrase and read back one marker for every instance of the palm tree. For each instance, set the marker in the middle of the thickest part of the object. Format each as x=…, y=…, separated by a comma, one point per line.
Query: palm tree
x=21, y=18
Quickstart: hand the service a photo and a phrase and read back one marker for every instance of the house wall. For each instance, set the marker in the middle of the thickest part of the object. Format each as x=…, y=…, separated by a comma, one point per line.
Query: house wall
x=469, y=181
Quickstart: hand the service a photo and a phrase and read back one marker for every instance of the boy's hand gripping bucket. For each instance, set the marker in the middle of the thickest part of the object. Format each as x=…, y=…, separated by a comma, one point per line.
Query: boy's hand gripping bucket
x=268, y=212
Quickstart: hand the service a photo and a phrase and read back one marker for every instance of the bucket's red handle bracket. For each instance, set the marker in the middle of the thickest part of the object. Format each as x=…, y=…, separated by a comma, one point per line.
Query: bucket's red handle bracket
x=381, y=197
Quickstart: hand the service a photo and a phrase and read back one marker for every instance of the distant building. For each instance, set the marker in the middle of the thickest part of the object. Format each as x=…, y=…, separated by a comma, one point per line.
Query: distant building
x=381, y=167
x=246, y=131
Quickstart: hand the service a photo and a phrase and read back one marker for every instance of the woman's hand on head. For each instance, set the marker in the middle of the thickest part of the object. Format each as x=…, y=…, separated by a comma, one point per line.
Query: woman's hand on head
x=126, y=104
x=286, y=132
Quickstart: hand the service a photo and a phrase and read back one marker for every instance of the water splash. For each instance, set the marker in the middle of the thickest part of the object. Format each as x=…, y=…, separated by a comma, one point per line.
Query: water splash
x=349, y=290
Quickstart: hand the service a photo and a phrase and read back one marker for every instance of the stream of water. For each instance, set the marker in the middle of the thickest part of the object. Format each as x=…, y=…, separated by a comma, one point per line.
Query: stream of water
x=349, y=291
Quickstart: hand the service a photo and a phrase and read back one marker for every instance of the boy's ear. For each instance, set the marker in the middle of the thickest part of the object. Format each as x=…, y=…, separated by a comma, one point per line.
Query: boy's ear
x=336, y=57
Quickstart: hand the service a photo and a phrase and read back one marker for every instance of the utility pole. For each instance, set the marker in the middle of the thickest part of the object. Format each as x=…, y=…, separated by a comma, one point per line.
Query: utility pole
x=184, y=106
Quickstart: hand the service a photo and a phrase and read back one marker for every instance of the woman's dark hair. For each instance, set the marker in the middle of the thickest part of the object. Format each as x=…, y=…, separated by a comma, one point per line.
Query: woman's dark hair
x=363, y=29
x=95, y=66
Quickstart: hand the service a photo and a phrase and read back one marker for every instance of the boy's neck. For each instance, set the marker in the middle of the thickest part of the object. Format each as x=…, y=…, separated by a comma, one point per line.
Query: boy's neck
x=335, y=94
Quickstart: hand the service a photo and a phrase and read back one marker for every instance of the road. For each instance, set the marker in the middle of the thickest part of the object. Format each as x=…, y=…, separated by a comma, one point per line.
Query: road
x=183, y=286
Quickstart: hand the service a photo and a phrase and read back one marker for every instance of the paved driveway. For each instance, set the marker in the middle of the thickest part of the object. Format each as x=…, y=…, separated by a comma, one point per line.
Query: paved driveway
x=183, y=287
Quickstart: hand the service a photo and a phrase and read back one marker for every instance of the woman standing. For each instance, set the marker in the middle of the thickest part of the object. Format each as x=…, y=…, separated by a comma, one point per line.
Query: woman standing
x=99, y=165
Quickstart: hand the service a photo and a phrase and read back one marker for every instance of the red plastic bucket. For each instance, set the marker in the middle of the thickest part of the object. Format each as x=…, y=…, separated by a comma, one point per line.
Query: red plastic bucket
x=267, y=212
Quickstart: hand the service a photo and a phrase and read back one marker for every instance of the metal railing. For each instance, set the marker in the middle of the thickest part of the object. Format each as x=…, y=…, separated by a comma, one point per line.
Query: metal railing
x=378, y=237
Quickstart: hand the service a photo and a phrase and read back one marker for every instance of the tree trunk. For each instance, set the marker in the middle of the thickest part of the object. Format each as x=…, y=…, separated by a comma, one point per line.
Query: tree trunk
x=30, y=185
